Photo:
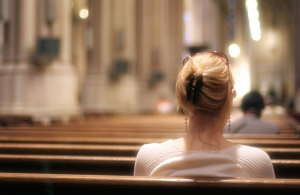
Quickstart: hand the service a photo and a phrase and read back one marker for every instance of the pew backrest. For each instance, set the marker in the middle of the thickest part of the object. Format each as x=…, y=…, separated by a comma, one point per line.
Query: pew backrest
x=22, y=183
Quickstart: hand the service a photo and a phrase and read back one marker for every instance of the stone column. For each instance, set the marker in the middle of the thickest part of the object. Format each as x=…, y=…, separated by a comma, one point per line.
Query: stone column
x=294, y=77
x=115, y=28
x=295, y=82
x=26, y=31
x=121, y=94
x=59, y=76
x=130, y=28
x=174, y=37
x=144, y=51
x=25, y=98
x=26, y=42
x=47, y=90
x=100, y=19
x=158, y=26
x=202, y=26
x=8, y=59
x=80, y=36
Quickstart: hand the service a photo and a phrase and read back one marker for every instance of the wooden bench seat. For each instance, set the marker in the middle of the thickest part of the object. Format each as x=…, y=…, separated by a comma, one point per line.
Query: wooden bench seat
x=112, y=150
x=125, y=129
x=138, y=141
x=84, y=133
x=67, y=164
x=74, y=149
x=267, y=142
x=26, y=183
x=101, y=159
x=103, y=165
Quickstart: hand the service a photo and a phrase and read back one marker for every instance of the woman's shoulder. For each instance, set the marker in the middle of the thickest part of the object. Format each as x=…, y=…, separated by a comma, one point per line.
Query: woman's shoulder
x=156, y=149
x=249, y=150
x=150, y=155
x=256, y=161
x=249, y=154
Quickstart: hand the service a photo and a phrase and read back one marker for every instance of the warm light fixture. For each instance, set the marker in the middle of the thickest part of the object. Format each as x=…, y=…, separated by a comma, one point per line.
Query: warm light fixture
x=253, y=16
x=242, y=79
x=84, y=13
x=234, y=50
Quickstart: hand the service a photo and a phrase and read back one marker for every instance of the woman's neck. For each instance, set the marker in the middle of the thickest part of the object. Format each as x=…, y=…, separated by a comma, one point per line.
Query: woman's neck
x=199, y=124
x=204, y=133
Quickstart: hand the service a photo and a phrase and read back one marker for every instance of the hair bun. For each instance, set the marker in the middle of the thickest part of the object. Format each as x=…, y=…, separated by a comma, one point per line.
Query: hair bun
x=189, y=88
x=197, y=88
x=205, y=81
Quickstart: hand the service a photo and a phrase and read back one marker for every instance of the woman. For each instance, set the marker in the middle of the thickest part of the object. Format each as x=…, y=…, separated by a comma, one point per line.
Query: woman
x=204, y=91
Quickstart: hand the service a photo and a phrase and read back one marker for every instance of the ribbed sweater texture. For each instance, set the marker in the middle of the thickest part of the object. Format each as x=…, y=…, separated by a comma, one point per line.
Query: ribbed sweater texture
x=238, y=161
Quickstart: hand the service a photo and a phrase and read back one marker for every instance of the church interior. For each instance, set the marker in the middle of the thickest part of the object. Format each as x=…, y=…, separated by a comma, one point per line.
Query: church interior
x=85, y=83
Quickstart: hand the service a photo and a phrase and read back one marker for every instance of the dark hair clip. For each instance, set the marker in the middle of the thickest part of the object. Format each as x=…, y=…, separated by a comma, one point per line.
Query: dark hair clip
x=197, y=88
x=189, y=88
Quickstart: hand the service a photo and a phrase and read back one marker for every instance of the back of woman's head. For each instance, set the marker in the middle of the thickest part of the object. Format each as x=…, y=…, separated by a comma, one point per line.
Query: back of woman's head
x=204, y=83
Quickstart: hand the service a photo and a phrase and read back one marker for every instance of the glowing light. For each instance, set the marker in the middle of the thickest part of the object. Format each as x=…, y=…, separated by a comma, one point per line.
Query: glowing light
x=242, y=80
x=251, y=3
x=234, y=50
x=84, y=13
x=253, y=16
x=256, y=36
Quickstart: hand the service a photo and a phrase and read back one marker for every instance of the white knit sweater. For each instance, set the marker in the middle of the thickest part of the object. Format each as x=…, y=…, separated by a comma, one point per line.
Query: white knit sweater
x=166, y=159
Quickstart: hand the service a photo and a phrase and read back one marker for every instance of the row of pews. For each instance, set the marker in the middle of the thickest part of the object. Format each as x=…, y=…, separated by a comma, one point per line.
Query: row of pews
x=97, y=155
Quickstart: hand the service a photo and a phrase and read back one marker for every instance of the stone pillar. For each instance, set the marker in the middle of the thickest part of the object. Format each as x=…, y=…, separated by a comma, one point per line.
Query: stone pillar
x=144, y=52
x=121, y=95
x=202, y=25
x=8, y=58
x=59, y=76
x=26, y=31
x=48, y=90
x=79, y=49
x=21, y=45
x=296, y=45
x=294, y=80
x=26, y=46
x=159, y=27
x=93, y=94
x=113, y=30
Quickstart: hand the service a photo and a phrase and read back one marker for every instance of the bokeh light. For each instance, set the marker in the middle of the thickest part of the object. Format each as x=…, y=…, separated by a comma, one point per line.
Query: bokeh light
x=84, y=13
x=234, y=50
x=253, y=16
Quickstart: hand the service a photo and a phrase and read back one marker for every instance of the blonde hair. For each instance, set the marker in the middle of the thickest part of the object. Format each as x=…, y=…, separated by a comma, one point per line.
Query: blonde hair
x=214, y=77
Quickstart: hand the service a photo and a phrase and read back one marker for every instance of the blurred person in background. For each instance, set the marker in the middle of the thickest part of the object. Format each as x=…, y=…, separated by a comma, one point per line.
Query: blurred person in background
x=163, y=106
x=250, y=123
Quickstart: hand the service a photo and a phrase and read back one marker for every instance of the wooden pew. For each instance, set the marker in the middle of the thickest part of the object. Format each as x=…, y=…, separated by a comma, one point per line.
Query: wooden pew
x=267, y=142
x=103, y=165
x=67, y=164
x=126, y=129
x=50, y=133
x=141, y=121
x=73, y=149
x=118, y=165
x=111, y=150
x=138, y=141
x=95, y=140
x=25, y=183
